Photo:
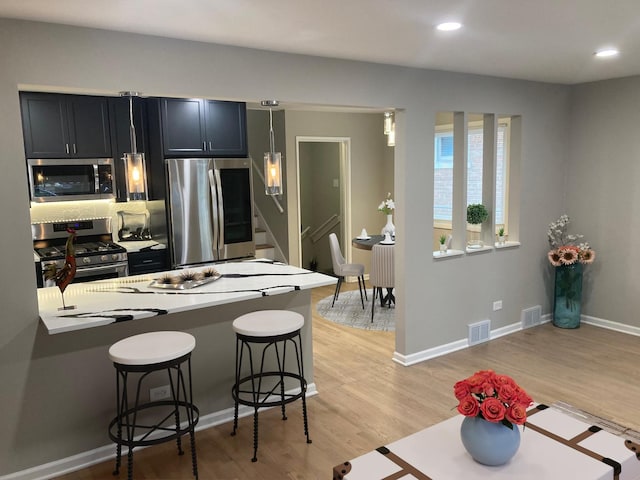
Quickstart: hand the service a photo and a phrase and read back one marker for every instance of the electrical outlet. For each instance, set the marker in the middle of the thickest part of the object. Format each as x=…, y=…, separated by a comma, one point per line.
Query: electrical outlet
x=497, y=305
x=159, y=393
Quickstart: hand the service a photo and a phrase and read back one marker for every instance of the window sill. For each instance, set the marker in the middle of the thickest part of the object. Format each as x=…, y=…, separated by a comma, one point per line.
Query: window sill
x=485, y=248
x=500, y=246
x=448, y=254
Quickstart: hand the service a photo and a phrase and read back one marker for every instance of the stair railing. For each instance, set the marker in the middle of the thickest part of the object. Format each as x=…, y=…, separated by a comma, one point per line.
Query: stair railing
x=326, y=228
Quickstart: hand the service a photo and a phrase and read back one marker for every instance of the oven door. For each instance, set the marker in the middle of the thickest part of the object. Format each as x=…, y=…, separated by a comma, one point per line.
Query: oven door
x=98, y=272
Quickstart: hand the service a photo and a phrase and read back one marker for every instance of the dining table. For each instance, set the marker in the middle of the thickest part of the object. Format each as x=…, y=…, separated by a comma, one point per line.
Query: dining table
x=367, y=243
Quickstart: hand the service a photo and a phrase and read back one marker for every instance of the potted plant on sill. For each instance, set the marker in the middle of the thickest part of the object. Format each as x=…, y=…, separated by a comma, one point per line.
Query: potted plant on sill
x=476, y=214
x=501, y=236
x=443, y=244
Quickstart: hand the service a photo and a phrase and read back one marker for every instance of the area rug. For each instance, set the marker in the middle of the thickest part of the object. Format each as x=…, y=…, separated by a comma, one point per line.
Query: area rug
x=348, y=311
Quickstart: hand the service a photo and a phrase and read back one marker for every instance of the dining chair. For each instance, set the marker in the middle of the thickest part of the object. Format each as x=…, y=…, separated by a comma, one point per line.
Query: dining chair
x=342, y=269
x=382, y=275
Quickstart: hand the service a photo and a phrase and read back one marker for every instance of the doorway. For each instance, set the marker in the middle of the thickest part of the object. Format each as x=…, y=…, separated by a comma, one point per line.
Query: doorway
x=323, y=165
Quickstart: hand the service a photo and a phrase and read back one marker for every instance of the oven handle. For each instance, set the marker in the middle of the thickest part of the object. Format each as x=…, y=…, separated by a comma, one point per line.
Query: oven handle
x=85, y=271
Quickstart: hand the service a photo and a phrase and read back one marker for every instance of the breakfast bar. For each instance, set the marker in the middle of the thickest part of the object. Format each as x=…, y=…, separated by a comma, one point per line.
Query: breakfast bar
x=72, y=345
x=141, y=296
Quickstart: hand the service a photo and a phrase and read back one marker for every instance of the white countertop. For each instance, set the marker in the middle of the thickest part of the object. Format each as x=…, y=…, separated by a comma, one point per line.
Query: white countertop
x=139, y=245
x=130, y=298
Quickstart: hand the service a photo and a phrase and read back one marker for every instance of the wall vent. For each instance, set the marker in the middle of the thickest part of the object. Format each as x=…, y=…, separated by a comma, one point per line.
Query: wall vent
x=479, y=332
x=530, y=317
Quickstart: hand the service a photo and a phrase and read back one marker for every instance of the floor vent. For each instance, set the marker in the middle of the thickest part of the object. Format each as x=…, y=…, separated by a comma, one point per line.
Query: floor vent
x=479, y=332
x=531, y=316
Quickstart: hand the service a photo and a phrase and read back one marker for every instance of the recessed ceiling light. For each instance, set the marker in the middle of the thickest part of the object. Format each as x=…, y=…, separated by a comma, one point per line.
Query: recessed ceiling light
x=607, y=52
x=448, y=26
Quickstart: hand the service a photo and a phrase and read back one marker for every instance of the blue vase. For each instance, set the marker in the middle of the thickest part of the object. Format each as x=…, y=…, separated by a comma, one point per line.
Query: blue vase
x=487, y=442
x=567, y=296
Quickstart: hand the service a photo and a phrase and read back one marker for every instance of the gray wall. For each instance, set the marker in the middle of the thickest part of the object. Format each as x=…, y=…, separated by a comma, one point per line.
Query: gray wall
x=435, y=300
x=372, y=166
x=603, y=195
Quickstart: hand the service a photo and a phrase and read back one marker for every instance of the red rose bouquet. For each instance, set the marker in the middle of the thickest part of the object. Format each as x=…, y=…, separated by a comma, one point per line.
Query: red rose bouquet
x=496, y=398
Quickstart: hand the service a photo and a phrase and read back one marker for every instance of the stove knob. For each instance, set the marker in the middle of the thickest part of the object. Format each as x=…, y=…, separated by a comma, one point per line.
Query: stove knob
x=86, y=260
x=114, y=257
x=104, y=258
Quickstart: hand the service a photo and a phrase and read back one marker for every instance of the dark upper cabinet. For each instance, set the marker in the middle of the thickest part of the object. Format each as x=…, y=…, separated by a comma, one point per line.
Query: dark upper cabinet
x=198, y=127
x=65, y=126
x=226, y=127
x=121, y=136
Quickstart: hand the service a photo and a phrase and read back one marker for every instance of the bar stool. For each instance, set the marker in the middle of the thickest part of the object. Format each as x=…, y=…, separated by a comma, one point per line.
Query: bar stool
x=266, y=388
x=143, y=354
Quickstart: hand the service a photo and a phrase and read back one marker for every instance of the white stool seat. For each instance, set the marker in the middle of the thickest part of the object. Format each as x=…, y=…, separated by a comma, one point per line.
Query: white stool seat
x=153, y=347
x=268, y=323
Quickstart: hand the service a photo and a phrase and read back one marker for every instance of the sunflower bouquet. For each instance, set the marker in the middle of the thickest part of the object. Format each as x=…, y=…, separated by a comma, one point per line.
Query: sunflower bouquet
x=567, y=249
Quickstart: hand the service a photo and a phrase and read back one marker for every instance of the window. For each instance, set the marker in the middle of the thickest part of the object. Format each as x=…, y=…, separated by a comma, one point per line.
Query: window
x=443, y=170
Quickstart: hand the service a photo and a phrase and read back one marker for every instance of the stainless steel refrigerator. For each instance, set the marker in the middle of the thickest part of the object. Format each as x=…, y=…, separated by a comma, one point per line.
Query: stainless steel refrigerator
x=210, y=214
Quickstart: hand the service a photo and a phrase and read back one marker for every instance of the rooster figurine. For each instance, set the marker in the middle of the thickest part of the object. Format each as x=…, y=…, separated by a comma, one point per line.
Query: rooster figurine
x=65, y=275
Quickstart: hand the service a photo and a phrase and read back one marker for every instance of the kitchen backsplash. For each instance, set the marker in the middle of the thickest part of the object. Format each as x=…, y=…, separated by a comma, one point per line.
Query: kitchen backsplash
x=86, y=209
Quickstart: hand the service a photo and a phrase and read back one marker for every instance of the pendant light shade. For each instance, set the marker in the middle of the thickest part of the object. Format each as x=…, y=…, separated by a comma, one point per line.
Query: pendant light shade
x=134, y=163
x=136, y=176
x=272, y=159
x=388, y=122
x=390, y=128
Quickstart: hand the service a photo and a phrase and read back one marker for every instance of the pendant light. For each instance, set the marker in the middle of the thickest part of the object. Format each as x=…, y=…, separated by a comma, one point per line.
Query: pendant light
x=390, y=128
x=272, y=159
x=136, y=172
x=388, y=121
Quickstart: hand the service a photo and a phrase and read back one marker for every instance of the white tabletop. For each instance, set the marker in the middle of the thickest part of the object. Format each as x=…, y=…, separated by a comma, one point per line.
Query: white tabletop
x=438, y=453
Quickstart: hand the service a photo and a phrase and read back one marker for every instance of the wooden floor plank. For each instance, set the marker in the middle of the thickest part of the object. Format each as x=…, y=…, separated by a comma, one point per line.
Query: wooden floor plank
x=365, y=400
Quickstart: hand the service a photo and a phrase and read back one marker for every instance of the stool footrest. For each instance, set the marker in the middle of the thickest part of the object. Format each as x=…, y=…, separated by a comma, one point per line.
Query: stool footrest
x=153, y=434
x=264, y=395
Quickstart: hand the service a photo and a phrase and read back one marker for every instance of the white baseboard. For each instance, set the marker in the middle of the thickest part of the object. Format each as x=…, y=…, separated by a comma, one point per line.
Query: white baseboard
x=609, y=325
x=102, y=454
x=440, y=350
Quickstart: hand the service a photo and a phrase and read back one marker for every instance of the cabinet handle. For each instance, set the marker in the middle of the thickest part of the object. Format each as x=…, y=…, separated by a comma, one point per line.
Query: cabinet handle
x=74, y=149
x=66, y=147
x=204, y=146
x=210, y=148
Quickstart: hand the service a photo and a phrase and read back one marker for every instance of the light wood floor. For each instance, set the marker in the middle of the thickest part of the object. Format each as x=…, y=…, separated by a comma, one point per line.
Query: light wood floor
x=365, y=400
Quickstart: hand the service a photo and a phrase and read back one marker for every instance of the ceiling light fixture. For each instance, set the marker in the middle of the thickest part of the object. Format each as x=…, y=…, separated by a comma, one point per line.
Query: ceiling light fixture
x=607, y=52
x=449, y=26
x=136, y=172
x=272, y=159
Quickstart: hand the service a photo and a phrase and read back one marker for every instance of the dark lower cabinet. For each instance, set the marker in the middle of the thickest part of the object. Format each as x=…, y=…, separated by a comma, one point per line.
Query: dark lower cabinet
x=65, y=126
x=150, y=261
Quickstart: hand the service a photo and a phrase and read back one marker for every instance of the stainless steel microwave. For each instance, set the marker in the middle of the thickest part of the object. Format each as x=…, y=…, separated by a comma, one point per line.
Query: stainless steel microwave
x=60, y=179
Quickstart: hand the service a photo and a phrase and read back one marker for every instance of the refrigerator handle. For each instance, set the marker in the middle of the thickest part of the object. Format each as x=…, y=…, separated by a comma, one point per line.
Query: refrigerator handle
x=220, y=208
x=214, y=214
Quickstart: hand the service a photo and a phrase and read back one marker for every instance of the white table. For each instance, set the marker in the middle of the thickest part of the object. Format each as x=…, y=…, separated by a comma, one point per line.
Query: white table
x=555, y=445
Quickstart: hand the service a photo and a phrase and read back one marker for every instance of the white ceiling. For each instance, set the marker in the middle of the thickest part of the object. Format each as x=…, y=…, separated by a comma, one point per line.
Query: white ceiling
x=545, y=40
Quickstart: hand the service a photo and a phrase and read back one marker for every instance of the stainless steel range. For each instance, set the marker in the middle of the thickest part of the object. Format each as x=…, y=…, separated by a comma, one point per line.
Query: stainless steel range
x=97, y=256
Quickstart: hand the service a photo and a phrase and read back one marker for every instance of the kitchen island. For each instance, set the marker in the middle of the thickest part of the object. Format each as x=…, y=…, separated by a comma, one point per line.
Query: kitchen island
x=141, y=296
x=71, y=348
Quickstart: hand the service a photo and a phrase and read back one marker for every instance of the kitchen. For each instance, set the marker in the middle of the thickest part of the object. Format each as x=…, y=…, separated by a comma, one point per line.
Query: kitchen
x=50, y=58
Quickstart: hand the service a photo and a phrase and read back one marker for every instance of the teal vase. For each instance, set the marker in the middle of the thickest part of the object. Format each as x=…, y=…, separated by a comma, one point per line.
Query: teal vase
x=487, y=442
x=567, y=296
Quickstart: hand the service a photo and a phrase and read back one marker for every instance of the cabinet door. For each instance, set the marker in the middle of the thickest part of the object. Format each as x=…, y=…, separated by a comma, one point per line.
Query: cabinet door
x=183, y=127
x=226, y=124
x=44, y=125
x=88, y=119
